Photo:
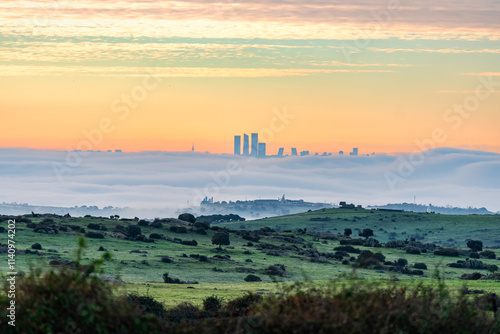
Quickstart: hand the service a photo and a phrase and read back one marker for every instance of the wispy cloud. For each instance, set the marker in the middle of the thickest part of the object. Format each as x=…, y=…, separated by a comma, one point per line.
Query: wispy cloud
x=187, y=72
x=392, y=50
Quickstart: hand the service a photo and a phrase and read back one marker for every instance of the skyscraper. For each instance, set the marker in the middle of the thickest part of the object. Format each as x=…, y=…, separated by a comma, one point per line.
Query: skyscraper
x=237, y=145
x=294, y=151
x=262, y=150
x=245, y=145
x=354, y=152
x=255, y=145
x=280, y=152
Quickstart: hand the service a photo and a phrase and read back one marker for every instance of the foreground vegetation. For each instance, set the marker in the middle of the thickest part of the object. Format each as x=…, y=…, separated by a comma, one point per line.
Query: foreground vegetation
x=76, y=300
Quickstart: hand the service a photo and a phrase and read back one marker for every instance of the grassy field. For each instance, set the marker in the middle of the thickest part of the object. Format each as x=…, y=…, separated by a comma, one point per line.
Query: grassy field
x=142, y=272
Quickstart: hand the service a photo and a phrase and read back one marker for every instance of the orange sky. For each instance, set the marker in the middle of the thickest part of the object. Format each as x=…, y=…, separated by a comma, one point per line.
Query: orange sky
x=212, y=80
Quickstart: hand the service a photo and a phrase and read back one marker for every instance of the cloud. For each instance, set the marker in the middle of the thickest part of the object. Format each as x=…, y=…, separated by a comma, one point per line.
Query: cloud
x=168, y=181
x=179, y=72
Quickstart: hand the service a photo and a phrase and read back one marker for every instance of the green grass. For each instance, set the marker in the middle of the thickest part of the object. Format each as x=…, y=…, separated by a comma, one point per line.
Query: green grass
x=230, y=283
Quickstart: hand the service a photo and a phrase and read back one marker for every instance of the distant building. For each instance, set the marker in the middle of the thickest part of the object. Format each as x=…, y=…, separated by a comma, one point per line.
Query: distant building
x=237, y=145
x=246, y=145
x=255, y=145
x=304, y=153
x=281, y=151
x=262, y=150
x=354, y=152
x=118, y=151
x=294, y=151
x=341, y=153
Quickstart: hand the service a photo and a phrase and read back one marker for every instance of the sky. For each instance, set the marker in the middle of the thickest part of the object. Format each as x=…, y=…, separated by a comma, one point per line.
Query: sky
x=324, y=76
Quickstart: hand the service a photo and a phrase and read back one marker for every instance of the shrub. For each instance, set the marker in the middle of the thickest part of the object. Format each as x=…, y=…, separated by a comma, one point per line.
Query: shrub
x=253, y=278
x=133, y=231
x=212, y=304
x=170, y=280
x=156, y=224
x=402, y=262
x=474, y=255
x=471, y=277
x=143, y=222
x=413, y=250
x=147, y=304
x=183, y=312
x=166, y=260
x=475, y=245
x=93, y=226
x=202, y=225
x=446, y=252
x=187, y=217
x=178, y=229
x=275, y=270
x=487, y=254
x=348, y=249
x=95, y=235
x=155, y=236
x=36, y=246
x=241, y=306
x=189, y=243
x=420, y=265
x=347, y=232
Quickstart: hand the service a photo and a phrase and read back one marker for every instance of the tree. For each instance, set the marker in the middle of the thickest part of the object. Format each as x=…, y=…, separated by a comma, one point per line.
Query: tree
x=367, y=232
x=187, y=217
x=475, y=245
x=347, y=232
x=221, y=238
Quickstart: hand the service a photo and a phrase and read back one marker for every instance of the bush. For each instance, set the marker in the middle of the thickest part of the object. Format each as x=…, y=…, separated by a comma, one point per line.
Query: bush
x=178, y=229
x=446, y=252
x=189, y=243
x=187, y=217
x=95, y=235
x=143, y=222
x=147, y=304
x=93, y=226
x=212, y=304
x=155, y=236
x=413, y=250
x=253, y=278
x=402, y=262
x=347, y=232
x=475, y=245
x=166, y=260
x=420, y=265
x=474, y=255
x=275, y=270
x=183, y=311
x=348, y=249
x=487, y=254
x=36, y=246
x=133, y=231
x=242, y=305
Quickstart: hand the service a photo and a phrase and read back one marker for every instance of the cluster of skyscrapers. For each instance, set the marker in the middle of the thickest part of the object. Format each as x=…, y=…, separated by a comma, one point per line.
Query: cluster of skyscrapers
x=255, y=149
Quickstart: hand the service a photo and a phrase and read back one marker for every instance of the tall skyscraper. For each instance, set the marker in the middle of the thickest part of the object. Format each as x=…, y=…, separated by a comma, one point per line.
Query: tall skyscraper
x=280, y=152
x=237, y=145
x=294, y=151
x=262, y=150
x=255, y=145
x=354, y=152
x=245, y=145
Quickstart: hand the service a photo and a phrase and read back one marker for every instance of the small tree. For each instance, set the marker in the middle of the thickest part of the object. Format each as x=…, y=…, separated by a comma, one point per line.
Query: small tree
x=133, y=231
x=347, y=232
x=367, y=232
x=475, y=245
x=221, y=238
